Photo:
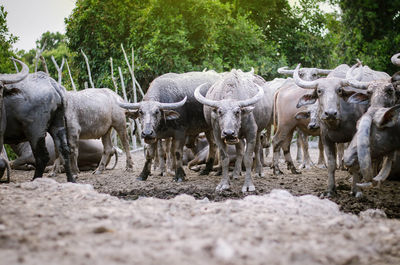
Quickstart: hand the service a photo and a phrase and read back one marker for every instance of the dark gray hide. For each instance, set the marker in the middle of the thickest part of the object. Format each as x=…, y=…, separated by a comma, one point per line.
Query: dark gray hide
x=376, y=130
x=238, y=107
x=34, y=106
x=7, y=79
x=337, y=116
x=165, y=113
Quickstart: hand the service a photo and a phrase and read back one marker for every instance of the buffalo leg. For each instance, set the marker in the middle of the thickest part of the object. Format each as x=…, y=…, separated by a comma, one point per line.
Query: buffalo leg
x=177, y=152
x=340, y=151
x=211, y=154
x=286, y=152
x=107, y=152
x=40, y=153
x=121, y=131
x=321, y=158
x=150, y=151
x=160, y=157
x=307, y=163
x=330, y=153
x=59, y=135
x=300, y=144
x=224, y=160
x=239, y=159
x=248, y=185
x=257, y=148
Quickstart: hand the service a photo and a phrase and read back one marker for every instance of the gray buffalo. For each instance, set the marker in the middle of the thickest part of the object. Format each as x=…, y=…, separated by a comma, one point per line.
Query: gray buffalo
x=34, y=106
x=90, y=153
x=92, y=114
x=169, y=109
x=236, y=108
x=337, y=116
x=7, y=79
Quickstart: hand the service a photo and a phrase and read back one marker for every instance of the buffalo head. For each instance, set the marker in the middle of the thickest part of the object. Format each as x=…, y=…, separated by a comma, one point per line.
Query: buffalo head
x=228, y=113
x=152, y=114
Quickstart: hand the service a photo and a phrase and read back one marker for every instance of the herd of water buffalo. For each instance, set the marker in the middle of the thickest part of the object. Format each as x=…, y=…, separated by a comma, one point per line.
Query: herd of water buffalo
x=235, y=111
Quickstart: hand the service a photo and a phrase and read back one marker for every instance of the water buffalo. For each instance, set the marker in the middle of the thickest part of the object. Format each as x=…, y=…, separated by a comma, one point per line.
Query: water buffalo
x=34, y=106
x=337, y=116
x=236, y=108
x=7, y=79
x=91, y=114
x=169, y=109
x=90, y=153
x=377, y=131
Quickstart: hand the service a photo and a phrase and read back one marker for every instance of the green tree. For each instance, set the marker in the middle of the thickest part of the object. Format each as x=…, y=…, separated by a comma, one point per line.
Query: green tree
x=370, y=31
x=6, y=42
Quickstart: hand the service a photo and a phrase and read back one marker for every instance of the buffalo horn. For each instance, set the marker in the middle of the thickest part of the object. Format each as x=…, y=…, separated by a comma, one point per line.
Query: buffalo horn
x=285, y=71
x=303, y=83
x=203, y=100
x=324, y=71
x=395, y=59
x=129, y=105
x=349, y=73
x=363, y=146
x=174, y=105
x=252, y=100
x=14, y=78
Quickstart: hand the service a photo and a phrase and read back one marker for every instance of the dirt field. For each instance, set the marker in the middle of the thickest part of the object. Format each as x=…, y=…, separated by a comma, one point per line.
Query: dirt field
x=45, y=222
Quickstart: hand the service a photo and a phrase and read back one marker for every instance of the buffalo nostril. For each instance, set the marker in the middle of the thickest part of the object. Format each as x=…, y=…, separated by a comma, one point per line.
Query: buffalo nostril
x=147, y=133
x=228, y=132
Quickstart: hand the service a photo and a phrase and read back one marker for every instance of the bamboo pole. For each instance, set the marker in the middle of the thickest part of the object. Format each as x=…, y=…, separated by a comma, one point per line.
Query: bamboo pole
x=88, y=68
x=70, y=76
x=58, y=68
x=38, y=54
x=134, y=81
x=126, y=100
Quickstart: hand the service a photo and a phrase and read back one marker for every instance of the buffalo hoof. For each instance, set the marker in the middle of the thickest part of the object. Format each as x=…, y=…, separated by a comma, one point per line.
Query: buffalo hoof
x=129, y=169
x=5, y=181
x=205, y=172
x=294, y=171
x=222, y=186
x=328, y=194
x=219, y=172
x=267, y=164
x=322, y=166
x=143, y=176
x=260, y=175
x=180, y=175
x=277, y=171
x=248, y=188
x=235, y=176
x=97, y=172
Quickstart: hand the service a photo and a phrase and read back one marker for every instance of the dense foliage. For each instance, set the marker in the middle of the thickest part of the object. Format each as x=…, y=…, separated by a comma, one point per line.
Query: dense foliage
x=6, y=42
x=187, y=35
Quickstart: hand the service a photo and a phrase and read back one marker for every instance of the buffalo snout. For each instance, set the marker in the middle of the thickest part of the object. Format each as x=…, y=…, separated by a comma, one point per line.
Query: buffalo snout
x=313, y=126
x=330, y=115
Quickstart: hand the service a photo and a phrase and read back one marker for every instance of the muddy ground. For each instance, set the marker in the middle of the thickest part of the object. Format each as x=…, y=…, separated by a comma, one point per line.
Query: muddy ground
x=45, y=222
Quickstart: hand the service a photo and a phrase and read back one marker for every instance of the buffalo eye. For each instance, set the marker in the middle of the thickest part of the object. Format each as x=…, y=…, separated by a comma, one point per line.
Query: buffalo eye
x=157, y=112
x=340, y=90
x=237, y=112
x=301, y=74
x=141, y=112
x=319, y=91
x=219, y=112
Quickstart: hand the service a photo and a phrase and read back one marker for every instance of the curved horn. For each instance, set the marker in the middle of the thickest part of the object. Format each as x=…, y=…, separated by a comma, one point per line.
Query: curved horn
x=254, y=99
x=324, y=71
x=355, y=83
x=363, y=146
x=302, y=83
x=174, y=105
x=395, y=59
x=205, y=101
x=14, y=78
x=285, y=71
x=129, y=105
x=349, y=73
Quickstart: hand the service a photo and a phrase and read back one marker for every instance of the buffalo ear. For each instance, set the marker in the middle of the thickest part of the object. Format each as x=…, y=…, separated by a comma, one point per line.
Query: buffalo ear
x=386, y=117
x=133, y=114
x=247, y=110
x=171, y=115
x=357, y=98
x=302, y=115
x=307, y=99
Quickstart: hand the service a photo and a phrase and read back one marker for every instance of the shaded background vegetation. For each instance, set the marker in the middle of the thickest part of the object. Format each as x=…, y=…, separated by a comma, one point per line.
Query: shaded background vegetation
x=187, y=35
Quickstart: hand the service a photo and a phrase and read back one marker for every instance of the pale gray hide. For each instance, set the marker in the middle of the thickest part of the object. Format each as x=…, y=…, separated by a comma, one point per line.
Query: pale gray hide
x=337, y=116
x=91, y=114
x=238, y=107
x=169, y=109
